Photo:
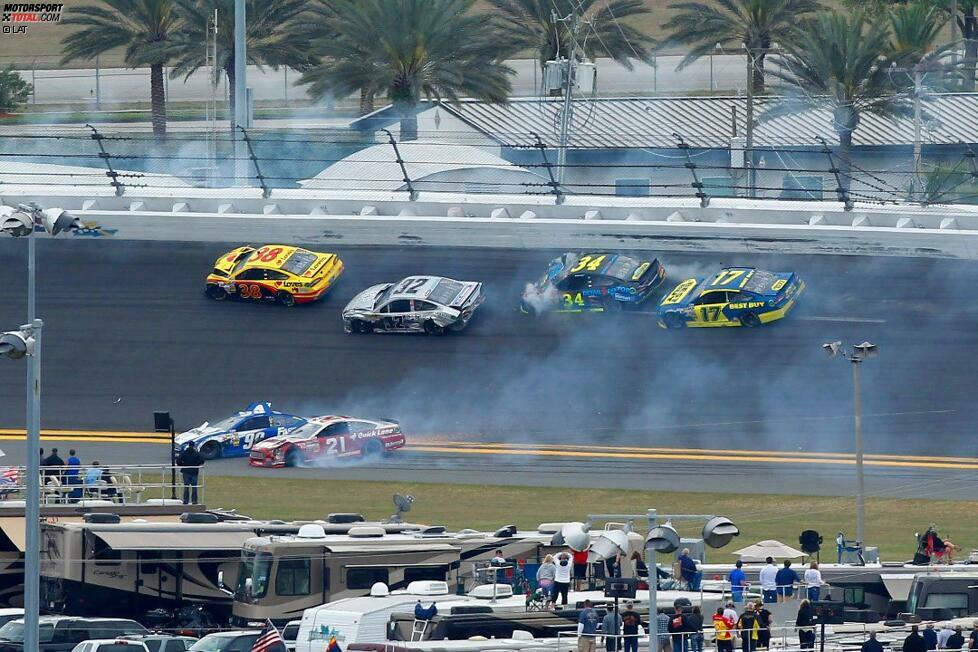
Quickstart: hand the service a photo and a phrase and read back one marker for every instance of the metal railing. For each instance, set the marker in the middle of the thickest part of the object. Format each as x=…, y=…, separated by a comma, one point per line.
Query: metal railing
x=125, y=484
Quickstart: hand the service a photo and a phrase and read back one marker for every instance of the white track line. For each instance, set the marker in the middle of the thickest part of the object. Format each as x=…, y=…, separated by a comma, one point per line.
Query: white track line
x=854, y=320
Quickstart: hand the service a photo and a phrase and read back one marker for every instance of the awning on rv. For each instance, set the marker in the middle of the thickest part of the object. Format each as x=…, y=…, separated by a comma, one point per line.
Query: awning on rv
x=149, y=540
x=14, y=529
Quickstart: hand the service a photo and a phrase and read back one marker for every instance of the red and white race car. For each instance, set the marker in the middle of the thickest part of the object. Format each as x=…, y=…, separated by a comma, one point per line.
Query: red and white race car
x=328, y=436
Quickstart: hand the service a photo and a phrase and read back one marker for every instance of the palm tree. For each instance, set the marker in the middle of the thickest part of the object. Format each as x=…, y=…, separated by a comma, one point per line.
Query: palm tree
x=143, y=27
x=840, y=61
x=968, y=28
x=270, y=34
x=604, y=29
x=756, y=24
x=408, y=49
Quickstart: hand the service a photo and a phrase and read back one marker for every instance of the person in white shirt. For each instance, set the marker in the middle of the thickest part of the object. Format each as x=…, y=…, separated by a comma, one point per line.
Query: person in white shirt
x=769, y=581
x=944, y=634
x=562, y=578
x=730, y=613
x=813, y=581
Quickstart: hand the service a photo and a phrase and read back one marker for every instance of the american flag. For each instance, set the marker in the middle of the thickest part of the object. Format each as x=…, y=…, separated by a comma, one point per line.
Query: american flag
x=8, y=479
x=269, y=641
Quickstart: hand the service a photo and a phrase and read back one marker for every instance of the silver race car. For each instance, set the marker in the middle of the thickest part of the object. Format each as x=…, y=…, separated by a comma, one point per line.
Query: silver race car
x=432, y=304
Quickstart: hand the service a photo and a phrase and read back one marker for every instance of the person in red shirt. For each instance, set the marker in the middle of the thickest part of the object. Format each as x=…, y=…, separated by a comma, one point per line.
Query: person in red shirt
x=580, y=568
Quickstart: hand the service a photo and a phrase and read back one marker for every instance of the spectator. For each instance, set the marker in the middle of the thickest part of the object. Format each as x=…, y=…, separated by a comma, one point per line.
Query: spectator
x=805, y=624
x=662, y=630
x=764, y=620
x=497, y=560
x=611, y=629
x=587, y=628
x=562, y=577
x=738, y=581
x=613, y=566
x=679, y=631
x=580, y=568
x=813, y=581
x=871, y=644
x=190, y=462
x=956, y=640
x=914, y=641
x=54, y=464
x=769, y=582
x=748, y=629
x=73, y=475
x=973, y=638
x=640, y=568
x=631, y=621
x=695, y=623
x=730, y=613
x=943, y=635
x=786, y=580
x=688, y=571
x=93, y=476
x=840, y=545
x=722, y=627
x=930, y=636
x=545, y=576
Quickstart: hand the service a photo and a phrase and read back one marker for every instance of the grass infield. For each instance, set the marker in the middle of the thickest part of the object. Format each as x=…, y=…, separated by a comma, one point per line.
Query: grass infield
x=890, y=523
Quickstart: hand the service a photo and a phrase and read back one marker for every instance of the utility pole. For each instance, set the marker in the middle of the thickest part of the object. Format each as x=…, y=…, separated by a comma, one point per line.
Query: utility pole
x=240, y=94
x=566, y=115
x=954, y=32
x=858, y=426
x=915, y=182
x=211, y=55
x=749, y=159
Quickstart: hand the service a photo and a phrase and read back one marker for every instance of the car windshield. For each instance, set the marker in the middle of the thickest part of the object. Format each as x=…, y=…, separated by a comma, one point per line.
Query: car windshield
x=382, y=297
x=305, y=431
x=14, y=631
x=254, y=567
x=213, y=643
x=299, y=262
x=225, y=424
x=445, y=291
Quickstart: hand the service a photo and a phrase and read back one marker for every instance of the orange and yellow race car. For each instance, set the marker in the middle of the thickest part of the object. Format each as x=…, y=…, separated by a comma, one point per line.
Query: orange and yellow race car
x=282, y=273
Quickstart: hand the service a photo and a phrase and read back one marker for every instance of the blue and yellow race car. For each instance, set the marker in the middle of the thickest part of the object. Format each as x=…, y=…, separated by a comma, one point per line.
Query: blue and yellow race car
x=594, y=282
x=734, y=296
x=235, y=435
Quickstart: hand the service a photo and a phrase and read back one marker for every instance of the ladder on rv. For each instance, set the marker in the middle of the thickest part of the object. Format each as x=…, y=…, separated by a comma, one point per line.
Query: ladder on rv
x=418, y=629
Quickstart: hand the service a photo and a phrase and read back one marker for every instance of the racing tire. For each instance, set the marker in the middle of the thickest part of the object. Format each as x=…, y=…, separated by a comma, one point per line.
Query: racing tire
x=372, y=449
x=431, y=328
x=216, y=292
x=210, y=451
x=285, y=298
x=293, y=457
x=750, y=320
x=358, y=326
x=674, y=321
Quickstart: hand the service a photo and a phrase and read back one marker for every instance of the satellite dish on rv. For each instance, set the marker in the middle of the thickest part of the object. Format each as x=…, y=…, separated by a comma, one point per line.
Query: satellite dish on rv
x=403, y=505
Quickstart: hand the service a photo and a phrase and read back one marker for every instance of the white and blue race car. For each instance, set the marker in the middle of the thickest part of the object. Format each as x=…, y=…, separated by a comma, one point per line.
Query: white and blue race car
x=235, y=435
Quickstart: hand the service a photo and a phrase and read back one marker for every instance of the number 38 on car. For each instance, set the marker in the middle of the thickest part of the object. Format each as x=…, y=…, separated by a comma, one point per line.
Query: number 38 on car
x=328, y=436
x=288, y=275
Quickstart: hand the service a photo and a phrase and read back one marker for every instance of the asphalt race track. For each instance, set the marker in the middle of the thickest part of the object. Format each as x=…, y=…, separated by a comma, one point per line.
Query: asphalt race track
x=129, y=331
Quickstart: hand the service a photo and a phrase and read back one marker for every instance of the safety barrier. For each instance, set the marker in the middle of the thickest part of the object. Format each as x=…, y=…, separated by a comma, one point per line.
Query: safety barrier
x=98, y=485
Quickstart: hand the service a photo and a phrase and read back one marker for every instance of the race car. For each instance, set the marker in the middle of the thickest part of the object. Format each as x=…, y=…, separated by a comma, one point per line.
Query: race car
x=236, y=435
x=432, y=304
x=595, y=282
x=328, y=436
x=734, y=296
x=282, y=273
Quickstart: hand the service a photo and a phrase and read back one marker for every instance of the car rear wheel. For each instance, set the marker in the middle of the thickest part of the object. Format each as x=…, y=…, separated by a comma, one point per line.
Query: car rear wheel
x=211, y=450
x=362, y=327
x=217, y=293
x=373, y=449
x=431, y=328
x=293, y=457
x=750, y=320
x=674, y=321
x=285, y=298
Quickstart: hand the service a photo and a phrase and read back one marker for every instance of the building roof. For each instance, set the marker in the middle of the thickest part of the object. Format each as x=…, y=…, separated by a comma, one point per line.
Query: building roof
x=701, y=121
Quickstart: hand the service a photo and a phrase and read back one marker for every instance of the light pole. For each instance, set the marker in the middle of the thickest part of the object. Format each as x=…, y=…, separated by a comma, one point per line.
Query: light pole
x=855, y=356
x=23, y=222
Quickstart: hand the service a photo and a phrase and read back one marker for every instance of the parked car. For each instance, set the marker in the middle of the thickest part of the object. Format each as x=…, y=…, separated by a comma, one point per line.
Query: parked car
x=289, y=634
x=164, y=642
x=63, y=633
x=111, y=645
x=238, y=641
x=6, y=615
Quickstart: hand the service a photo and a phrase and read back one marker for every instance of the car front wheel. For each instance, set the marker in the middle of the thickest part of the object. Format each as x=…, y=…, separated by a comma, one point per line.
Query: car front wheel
x=673, y=320
x=211, y=450
x=217, y=293
x=431, y=328
x=293, y=457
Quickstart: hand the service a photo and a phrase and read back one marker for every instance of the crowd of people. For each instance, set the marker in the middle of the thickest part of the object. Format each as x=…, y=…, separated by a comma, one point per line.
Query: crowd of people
x=778, y=584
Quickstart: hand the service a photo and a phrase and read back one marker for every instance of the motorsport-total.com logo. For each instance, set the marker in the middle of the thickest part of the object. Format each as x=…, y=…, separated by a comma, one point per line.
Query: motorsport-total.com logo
x=17, y=16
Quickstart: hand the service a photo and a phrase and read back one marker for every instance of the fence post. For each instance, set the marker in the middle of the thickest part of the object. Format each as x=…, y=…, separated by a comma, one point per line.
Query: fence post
x=554, y=186
x=840, y=192
x=104, y=155
x=691, y=166
x=265, y=192
x=412, y=193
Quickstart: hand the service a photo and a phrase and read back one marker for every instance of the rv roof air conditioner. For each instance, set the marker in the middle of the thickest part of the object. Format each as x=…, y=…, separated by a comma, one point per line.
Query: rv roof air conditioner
x=199, y=517
x=505, y=532
x=485, y=592
x=379, y=590
x=345, y=517
x=366, y=531
x=427, y=587
x=311, y=531
x=434, y=531
x=101, y=518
